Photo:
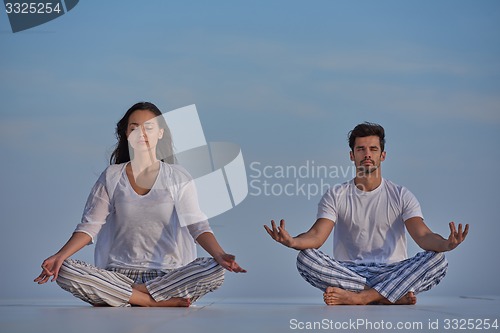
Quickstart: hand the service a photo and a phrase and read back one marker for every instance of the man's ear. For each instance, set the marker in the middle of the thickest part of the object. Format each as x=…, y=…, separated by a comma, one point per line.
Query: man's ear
x=351, y=155
x=382, y=156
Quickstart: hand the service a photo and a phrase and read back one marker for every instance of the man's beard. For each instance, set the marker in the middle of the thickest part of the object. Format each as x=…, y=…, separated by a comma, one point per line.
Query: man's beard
x=366, y=170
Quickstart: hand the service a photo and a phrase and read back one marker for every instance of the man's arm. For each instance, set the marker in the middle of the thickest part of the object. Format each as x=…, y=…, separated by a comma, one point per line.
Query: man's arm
x=312, y=239
x=431, y=241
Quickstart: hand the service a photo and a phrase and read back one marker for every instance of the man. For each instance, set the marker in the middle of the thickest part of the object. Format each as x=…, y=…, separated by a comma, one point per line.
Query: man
x=370, y=215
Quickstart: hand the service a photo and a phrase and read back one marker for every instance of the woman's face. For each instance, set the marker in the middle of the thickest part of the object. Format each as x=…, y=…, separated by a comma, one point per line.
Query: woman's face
x=143, y=131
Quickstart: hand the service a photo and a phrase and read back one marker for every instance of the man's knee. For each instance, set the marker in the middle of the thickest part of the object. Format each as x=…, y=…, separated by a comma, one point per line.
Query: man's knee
x=304, y=256
x=435, y=263
x=438, y=258
x=441, y=261
x=309, y=260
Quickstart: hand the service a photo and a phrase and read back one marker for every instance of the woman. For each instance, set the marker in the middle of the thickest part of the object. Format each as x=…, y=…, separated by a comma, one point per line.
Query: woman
x=144, y=215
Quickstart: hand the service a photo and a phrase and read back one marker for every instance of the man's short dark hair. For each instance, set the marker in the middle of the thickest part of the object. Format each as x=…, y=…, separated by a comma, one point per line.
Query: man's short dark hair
x=367, y=129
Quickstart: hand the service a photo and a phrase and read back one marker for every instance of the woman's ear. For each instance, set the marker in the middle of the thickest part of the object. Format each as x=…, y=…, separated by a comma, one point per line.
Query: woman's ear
x=160, y=135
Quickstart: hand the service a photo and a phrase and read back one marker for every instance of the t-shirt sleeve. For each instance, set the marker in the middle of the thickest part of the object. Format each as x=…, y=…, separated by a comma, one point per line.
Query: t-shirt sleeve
x=327, y=207
x=199, y=228
x=96, y=210
x=186, y=204
x=410, y=205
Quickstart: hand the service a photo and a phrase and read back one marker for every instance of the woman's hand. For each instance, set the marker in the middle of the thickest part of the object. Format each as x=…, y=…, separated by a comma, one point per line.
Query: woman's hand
x=227, y=261
x=209, y=243
x=50, y=267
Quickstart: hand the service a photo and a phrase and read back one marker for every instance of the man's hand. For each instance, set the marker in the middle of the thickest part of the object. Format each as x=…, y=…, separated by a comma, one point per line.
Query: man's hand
x=456, y=237
x=228, y=262
x=280, y=234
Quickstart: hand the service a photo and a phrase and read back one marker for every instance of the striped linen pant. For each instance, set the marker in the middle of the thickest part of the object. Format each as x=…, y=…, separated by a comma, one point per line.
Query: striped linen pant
x=393, y=281
x=114, y=286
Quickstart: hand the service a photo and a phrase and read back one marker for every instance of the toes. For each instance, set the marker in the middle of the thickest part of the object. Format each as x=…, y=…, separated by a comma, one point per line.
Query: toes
x=329, y=290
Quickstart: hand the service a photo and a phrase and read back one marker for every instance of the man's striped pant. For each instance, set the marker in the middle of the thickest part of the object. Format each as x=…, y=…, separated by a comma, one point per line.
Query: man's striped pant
x=392, y=281
x=114, y=286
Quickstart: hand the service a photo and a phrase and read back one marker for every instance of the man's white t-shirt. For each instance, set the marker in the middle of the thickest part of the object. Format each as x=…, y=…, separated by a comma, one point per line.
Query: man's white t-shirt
x=369, y=226
x=152, y=231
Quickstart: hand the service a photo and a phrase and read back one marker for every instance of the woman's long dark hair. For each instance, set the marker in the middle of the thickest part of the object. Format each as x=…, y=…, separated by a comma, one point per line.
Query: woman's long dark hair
x=164, y=148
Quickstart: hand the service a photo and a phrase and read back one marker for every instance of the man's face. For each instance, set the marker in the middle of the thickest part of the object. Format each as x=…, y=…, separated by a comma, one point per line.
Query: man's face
x=367, y=155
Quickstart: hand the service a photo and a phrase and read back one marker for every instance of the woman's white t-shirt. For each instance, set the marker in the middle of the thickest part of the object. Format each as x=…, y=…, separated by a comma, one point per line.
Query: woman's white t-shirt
x=152, y=231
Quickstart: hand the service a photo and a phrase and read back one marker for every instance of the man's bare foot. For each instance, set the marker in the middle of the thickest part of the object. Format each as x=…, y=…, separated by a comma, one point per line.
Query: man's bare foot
x=408, y=299
x=338, y=296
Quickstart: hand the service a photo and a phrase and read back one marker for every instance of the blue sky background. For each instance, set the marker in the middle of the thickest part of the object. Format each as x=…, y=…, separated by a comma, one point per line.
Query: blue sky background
x=286, y=80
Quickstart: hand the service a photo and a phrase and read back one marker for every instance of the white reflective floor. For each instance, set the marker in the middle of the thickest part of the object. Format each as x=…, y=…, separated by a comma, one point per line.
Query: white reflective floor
x=431, y=314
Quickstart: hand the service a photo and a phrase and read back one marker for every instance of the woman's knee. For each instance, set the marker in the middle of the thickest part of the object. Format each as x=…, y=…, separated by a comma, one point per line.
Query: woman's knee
x=71, y=267
x=65, y=264
x=218, y=273
x=74, y=272
x=211, y=270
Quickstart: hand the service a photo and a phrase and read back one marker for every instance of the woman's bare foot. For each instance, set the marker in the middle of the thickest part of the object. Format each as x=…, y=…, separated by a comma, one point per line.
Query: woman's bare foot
x=175, y=302
x=141, y=288
x=141, y=297
x=100, y=305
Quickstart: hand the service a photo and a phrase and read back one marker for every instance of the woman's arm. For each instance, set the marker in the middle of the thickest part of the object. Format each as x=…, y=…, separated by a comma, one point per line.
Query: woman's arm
x=209, y=243
x=51, y=265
